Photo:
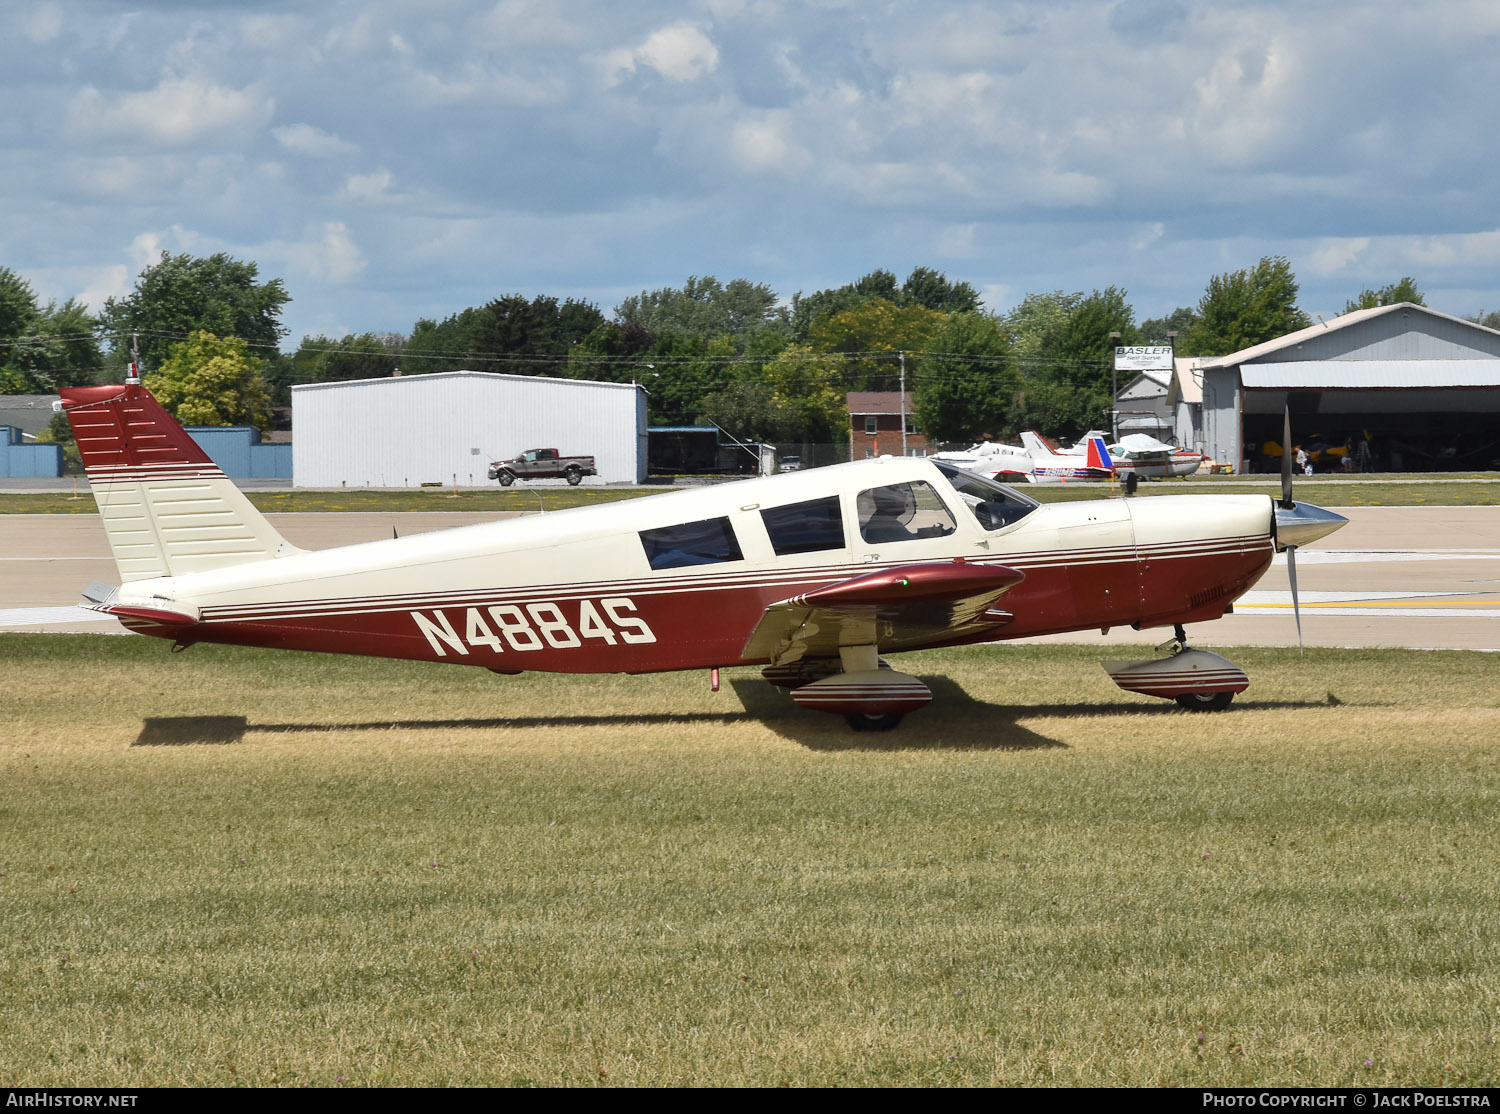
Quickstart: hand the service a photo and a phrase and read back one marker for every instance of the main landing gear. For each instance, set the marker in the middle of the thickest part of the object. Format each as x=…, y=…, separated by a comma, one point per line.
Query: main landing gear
x=870, y=695
x=1198, y=680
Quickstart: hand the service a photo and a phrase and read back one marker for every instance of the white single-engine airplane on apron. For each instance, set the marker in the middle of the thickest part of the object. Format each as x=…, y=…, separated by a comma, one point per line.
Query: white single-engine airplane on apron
x=813, y=574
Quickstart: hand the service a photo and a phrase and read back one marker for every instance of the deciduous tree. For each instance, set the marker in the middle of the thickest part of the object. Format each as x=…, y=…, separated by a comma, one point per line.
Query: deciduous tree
x=964, y=382
x=1244, y=308
x=1402, y=290
x=210, y=380
x=183, y=294
x=704, y=307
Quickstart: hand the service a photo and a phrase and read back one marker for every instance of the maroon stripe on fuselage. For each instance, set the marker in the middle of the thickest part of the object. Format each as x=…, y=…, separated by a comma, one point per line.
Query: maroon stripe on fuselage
x=645, y=626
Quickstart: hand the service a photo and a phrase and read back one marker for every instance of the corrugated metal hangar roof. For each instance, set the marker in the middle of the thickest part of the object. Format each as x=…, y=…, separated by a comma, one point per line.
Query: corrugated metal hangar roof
x=1370, y=374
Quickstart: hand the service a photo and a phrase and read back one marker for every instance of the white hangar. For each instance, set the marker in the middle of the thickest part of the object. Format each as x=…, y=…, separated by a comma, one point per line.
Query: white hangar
x=446, y=428
x=1406, y=387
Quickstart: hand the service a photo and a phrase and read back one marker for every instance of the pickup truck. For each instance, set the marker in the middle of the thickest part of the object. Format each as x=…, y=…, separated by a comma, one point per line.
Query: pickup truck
x=542, y=464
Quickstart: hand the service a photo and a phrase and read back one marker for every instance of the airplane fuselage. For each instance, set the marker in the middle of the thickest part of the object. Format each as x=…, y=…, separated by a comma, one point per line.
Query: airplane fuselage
x=576, y=591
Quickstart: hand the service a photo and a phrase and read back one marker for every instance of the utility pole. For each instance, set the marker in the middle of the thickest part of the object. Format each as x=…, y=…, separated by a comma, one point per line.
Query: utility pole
x=1114, y=387
x=133, y=375
x=903, y=402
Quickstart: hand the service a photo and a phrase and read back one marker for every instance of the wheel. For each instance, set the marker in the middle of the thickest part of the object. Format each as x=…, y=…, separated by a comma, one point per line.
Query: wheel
x=865, y=722
x=1205, y=701
x=574, y=476
x=506, y=478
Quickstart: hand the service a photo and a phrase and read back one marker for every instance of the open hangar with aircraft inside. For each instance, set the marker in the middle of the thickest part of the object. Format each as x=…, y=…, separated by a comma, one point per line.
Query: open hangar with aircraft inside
x=1398, y=388
x=447, y=427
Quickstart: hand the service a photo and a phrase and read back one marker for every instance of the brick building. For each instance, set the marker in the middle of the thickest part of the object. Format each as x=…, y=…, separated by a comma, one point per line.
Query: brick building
x=875, y=426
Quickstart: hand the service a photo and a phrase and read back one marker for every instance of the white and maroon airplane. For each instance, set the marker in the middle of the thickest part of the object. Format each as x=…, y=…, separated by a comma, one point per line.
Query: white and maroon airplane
x=812, y=574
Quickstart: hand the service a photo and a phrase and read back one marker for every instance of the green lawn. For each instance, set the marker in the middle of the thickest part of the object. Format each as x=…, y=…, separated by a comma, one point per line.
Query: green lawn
x=231, y=866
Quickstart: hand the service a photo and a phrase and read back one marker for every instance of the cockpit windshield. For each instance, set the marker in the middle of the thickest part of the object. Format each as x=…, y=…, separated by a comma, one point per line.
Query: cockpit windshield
x=993, y=504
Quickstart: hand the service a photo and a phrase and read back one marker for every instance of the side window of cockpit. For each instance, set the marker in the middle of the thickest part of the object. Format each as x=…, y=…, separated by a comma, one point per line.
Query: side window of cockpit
x=805, y=527
x=902, y=512
x=693, y=543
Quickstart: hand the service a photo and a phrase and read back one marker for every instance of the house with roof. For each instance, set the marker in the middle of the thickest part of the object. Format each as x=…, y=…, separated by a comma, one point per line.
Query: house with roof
x=883, y=423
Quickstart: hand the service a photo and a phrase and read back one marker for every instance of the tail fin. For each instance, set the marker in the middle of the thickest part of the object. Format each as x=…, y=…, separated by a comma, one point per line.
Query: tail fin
x=1099, y=455
x=167, y=508
x=1038, y=446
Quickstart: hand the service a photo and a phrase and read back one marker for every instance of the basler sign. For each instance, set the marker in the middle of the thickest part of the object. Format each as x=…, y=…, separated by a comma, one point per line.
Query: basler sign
x=1143, y=357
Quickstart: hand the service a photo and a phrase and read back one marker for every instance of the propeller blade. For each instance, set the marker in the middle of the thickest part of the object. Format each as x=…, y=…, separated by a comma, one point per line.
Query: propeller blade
x=1291, y=575
x=1286, y=459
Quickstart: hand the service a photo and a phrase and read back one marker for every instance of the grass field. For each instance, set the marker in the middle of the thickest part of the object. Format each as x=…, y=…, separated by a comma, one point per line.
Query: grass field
x=232, y=866
x=1361, y=491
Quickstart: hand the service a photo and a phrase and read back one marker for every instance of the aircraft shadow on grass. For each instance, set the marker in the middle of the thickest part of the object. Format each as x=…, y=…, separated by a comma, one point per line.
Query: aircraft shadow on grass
x=954, y=721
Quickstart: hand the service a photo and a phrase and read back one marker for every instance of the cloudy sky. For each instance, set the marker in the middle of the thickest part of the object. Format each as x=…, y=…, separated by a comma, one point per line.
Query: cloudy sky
x=395, y=159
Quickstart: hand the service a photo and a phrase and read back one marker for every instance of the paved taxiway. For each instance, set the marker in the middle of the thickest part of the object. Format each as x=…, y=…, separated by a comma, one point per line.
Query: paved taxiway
x=1425, y=577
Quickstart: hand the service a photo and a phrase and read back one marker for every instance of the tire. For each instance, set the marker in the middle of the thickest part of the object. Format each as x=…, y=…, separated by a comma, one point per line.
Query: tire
x=1205, y=701
x=573, y=476
x=506, y=478
x=861, y=722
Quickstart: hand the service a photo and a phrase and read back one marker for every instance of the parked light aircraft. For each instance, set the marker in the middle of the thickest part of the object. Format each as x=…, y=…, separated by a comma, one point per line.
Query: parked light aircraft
x=1049, y=466
x=812, y=575
x=1144, y=455
x=1039, y=461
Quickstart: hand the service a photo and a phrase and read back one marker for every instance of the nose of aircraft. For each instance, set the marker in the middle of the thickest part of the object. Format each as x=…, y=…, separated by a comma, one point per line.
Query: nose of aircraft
x=1302, y=523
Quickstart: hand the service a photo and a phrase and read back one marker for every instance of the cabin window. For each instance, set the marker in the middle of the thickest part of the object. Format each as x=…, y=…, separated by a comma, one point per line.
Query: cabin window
x=693, y=543
x=993, y=504
x=805, y=527
x=903, y=512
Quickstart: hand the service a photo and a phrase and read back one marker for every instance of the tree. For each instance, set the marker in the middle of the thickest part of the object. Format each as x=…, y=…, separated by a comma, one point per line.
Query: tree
x=1245, y=308
x=964, y=381
x=870, y=335
x=923, y=287
x=612, y=353
x=42, y=348
x=320, y=359
x=181, y=294
x=705, y=307
x=1154, y=330
x=1489, y=320
x=926, y=287
x=510, y=335
x=1064, y=355
x=808, y=393
x=210, y=380
x=1402, y=290
x=18, y=307
x=680, y=371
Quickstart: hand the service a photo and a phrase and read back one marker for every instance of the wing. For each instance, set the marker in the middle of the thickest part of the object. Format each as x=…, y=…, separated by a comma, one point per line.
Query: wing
x=894, y=609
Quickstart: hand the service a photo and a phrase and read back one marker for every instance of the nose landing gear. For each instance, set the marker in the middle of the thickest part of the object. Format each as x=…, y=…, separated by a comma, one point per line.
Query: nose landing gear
x=1198, y=680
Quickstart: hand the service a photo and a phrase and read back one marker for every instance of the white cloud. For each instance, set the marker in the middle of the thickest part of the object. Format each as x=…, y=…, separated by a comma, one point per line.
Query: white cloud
x=763, y=145
x=178, y=112
x=42, y=23
x=108, y=282
x=367, y=187
x=681, y=52
x=328, y=254
x=146, y=249
x=531, y=23
x=304, y=139
x=1148, y=236
x=1332, y=256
